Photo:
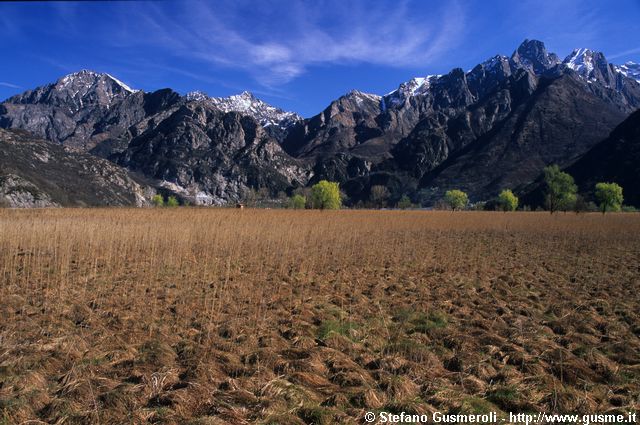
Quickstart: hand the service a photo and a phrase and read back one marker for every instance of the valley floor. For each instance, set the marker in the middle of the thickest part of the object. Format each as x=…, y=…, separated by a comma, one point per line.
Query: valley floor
x=210, y=316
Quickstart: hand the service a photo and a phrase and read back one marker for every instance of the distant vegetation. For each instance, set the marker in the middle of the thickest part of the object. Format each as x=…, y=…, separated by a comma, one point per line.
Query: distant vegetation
x=561, y=189
x=159, y=201
x=325, y=195
x=456, y=199
x=560, y=194
x=609, y=195
x=508, y=201
x=297, y=202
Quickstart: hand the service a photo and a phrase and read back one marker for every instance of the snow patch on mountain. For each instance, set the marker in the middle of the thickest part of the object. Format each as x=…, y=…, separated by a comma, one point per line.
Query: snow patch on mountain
x=121, y=84
x=581, y=61
x=246, y=103
x=593, y=67
x=361, y=97
x=85, y=76
x=630, y=69
x=414, y=87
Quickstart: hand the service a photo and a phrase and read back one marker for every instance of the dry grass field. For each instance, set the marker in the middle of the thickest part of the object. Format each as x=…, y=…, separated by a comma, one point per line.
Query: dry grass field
x=209, y=316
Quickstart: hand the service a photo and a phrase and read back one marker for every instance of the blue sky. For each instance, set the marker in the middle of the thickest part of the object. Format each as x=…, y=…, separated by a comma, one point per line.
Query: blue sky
x=294, y=54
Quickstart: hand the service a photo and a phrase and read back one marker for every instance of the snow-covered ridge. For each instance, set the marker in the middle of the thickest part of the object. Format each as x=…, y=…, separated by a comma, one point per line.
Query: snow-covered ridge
x=246, y=103
x=361, y=96
x=415, y=86
x=85, y=75
x=630, y=69
x=593, y=66
x=121, y=84
x=590, y=65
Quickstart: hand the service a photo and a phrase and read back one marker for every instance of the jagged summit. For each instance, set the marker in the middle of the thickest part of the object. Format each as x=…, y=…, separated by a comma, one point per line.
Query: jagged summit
x=413, y=87
x=78, y=90
x=87, y=75
x=247, y=103
x=533, y=54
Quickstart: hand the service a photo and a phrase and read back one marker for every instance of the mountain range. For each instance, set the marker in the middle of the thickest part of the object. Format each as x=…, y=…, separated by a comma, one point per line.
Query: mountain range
x=492, y=127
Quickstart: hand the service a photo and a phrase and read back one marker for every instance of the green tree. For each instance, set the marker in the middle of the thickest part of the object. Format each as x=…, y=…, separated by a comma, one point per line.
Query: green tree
x=561, y=189
x=297, y=202
x=507, y=200
x=609, y=195
x=172, y=201
x=456, y=199
x=157, y=200
x=379, y=196
x=325, y=195
x=404, y=202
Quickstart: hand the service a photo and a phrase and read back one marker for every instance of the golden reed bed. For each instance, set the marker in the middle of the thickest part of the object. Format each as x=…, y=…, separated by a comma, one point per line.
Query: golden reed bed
x=211, y=316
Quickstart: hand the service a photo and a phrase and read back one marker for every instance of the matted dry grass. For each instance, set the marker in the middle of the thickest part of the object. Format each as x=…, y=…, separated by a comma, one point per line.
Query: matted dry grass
x=211, y=316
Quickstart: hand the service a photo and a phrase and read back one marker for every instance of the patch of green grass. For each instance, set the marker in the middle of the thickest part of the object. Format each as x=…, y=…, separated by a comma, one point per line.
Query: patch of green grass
x=477, y=405
x=423, y=323
x=505, y=397
x=338, y=327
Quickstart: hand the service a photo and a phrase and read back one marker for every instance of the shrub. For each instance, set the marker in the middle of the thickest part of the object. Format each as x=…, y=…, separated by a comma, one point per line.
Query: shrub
x=172, y=201
x=404, y=203
x=297, y=202
x=507, y=200
x=325, y=195
x=379, y=195
x=157, y=200
x=456, y=199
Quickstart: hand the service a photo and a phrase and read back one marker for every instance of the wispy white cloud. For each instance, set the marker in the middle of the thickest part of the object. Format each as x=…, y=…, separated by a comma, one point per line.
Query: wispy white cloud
x=277, y=44
x=9, y=85
x=624, y=53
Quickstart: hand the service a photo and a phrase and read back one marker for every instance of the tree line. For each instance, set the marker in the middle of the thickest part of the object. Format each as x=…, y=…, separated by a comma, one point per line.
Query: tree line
x=561, y=194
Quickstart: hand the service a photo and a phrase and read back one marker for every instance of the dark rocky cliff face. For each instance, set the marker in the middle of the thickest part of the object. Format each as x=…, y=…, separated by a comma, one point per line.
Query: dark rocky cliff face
x=211, y=156
x=37, y=173
x=556, y=123
x=492, y=127
x=614, y=159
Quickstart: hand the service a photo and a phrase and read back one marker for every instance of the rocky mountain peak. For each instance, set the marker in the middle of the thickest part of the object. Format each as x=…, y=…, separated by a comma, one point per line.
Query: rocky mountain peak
x=533, y=55
x=76, y=91
x=413, y=87
x=88, y=77
x=592, y=66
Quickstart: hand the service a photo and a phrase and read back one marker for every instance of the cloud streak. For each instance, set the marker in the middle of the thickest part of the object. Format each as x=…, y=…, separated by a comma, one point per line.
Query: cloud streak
x=625, y=53
x=275, y=48
x=9, y=85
